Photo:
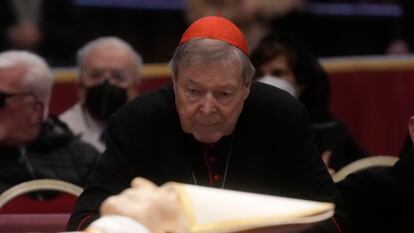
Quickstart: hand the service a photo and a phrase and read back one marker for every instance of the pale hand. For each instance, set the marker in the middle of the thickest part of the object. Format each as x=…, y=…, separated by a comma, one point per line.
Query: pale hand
x=157, y=208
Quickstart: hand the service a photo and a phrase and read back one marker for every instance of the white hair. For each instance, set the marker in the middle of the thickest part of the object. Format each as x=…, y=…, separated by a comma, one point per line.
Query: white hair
x=205, y=51
x=37, y=78
x=104, y=42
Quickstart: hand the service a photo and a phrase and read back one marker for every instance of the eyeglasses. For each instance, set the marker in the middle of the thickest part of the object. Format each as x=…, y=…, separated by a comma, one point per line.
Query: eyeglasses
x=4, y=96
x=117, y=77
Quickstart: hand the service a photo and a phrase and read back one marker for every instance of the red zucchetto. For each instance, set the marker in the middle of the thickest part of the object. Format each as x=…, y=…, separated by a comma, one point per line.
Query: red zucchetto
x=218, y=28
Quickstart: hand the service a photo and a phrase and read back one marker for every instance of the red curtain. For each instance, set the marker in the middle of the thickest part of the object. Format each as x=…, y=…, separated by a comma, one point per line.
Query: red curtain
x=375, y=105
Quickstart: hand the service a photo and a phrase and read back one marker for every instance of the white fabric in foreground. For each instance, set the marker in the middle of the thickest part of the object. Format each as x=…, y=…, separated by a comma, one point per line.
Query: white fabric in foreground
x=211, y=210
x=118, y=224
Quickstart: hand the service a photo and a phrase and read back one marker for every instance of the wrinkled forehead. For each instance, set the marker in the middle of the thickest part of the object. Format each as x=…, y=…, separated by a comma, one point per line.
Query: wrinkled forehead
x=222, y=73
x=225, y=63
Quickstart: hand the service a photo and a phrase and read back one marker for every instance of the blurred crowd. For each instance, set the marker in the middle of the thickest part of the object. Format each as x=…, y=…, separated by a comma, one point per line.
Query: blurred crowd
x=55, y=30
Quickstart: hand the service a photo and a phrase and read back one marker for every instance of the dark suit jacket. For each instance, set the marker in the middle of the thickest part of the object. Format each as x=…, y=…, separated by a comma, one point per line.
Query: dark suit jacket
x=273, y=151
x=381, y=200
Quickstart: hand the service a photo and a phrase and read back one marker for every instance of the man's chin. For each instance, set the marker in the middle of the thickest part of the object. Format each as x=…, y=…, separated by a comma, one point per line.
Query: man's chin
x=207, y=138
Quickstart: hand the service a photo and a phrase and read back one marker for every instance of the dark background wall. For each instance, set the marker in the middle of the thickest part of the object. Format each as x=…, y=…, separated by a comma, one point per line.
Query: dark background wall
x=154, y=27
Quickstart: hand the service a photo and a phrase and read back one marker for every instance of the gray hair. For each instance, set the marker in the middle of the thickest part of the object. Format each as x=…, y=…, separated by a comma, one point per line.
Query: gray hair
x=103, y=42
x=205, y=51
x=37, y=78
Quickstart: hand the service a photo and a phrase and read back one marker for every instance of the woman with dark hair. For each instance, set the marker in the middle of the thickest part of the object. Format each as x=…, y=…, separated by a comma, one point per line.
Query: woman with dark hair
x=283, y=62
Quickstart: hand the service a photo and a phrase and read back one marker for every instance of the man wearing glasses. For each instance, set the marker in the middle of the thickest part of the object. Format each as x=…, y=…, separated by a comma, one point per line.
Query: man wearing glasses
x=108, y=77
x=33, y=145
x=6, y=98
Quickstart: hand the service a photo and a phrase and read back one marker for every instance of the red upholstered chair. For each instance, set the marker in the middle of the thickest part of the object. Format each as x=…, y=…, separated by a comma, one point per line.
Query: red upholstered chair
x=20, y=212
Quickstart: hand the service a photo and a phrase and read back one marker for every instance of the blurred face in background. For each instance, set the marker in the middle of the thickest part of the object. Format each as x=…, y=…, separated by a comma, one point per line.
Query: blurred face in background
x=21, y=114
x=279, y=67
x=108, y=79
x=115, y=65
x=209, y=99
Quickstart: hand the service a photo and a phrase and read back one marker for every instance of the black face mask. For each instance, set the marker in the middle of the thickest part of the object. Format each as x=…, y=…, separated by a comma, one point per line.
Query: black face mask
x=104, y=99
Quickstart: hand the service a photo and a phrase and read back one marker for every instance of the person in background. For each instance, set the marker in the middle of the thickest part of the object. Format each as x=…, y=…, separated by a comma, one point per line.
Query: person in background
x=283, y=62
x=109, y=73
x=33, y=145
x=212, y=126
x=403, y=41
x=253, y=17
x=381, y=199
x=45, y=27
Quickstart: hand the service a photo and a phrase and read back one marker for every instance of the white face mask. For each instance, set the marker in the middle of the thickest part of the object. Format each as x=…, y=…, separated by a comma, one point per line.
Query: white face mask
x=279, y=83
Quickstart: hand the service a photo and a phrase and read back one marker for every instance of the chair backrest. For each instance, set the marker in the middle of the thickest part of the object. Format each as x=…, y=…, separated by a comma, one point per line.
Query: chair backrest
x=365, y=163
x=17, y=223
x=16, y=200
x=20, y=212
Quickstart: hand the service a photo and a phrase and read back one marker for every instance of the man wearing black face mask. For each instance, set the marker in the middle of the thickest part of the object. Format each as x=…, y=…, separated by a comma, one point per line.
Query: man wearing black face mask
x=104, y=99
x=108, y=77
